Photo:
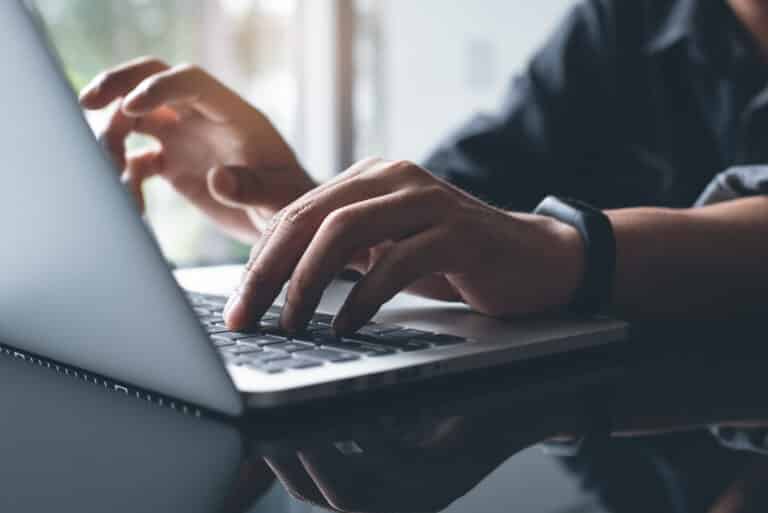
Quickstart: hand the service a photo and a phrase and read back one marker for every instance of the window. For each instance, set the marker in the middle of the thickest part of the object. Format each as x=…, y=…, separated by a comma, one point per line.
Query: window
x=250, y=44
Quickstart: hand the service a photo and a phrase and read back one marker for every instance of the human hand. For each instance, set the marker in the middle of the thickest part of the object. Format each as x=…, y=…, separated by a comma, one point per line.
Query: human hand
x=404, y=228
x=423, y=471
x=215, y=148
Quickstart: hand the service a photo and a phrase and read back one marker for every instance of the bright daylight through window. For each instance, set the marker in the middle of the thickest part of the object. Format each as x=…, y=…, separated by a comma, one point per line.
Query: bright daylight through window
x=249, y=44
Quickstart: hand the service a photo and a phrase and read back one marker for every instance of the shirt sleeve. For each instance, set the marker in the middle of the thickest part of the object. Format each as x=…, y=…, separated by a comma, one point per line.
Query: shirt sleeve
x=551, y=122
x=734, y=183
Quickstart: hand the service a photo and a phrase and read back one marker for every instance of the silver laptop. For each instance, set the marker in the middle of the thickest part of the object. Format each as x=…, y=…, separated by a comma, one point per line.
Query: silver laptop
x=83, y=283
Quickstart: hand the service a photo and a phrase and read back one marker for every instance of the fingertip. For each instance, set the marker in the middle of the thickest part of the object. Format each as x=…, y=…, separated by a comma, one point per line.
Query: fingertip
x=344, y=325
x=85, y=97
x=234, y=317
x=131, y=107
x=90, y=99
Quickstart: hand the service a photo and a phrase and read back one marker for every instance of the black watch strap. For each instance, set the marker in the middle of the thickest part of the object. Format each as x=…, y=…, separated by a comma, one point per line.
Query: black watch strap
x=595, y=290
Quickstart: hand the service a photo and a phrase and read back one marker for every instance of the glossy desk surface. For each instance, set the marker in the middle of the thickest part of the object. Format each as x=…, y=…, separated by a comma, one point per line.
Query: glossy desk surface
x=469, y=444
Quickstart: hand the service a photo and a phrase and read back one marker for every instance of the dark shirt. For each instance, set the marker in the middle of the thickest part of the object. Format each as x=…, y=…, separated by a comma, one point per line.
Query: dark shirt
x=630, y=102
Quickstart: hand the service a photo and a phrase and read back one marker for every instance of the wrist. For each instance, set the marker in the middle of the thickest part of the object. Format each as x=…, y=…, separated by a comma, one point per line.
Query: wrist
x=566, y=251
x=595, y=284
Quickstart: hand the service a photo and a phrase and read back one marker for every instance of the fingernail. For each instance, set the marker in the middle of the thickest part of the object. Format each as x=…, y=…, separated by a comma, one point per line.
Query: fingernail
x=231, y=303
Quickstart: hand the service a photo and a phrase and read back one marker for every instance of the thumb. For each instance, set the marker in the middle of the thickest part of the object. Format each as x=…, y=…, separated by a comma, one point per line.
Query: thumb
x=236, y=186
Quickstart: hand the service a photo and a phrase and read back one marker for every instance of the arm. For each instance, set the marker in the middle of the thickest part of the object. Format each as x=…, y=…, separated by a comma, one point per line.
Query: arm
x=670, y=263
x=708, y=261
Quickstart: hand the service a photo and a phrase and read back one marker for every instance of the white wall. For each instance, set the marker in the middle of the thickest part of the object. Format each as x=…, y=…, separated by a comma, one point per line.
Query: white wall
x=444, y=59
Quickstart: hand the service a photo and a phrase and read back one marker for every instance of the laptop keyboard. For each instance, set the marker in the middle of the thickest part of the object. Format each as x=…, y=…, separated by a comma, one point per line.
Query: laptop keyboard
x=268, y=349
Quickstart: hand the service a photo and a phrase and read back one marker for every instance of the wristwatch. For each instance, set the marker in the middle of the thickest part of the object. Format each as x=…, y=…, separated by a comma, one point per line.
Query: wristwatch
x=595, y=291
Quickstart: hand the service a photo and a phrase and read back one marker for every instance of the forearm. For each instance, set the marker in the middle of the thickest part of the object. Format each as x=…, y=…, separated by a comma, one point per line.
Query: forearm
x=709, y=261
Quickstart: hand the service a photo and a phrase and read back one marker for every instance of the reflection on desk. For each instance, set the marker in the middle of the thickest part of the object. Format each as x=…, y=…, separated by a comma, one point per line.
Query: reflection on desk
x=70, y=445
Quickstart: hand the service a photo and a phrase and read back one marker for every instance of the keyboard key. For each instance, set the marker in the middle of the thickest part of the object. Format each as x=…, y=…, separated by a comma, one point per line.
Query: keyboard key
x=222, y=342
x=358, y=348
x=270, y=325
x=201, y=311
x=230, y=335
x=319, y=333
x=264, y=367
x=401, y=334
x=321, y=318
x=291, y=346
x=296, y=363
x=215, y=329
x=269, y=356
x=329, y=355
x=403, y=345
x=276, y=366
x=413, y=345
x=262, y=340
x=443, y=340
x=241, y=349
x=378, y=329
x=262, y=358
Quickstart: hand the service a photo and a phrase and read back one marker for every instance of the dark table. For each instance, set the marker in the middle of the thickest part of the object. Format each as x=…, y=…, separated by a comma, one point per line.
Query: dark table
x=469, y=444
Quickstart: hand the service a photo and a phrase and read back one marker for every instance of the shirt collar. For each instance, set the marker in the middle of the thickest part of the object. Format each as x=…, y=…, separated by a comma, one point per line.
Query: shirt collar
x=707, y=28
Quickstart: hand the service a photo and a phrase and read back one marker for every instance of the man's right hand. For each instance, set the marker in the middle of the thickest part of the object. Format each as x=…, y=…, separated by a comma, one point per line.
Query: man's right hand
x=215, y=148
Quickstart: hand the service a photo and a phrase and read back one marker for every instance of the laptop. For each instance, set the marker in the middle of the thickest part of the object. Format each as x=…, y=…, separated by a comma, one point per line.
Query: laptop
x=84, y=284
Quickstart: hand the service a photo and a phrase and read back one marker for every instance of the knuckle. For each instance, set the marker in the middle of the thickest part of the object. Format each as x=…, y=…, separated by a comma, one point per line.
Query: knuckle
x=273, y=223
x=298, y=212
x=436, y=193
x=402, y=165
x=405, y=168
x=150, y=61
x=371, y=160
x=151, y=84
x=187, y=68
x=339, y=221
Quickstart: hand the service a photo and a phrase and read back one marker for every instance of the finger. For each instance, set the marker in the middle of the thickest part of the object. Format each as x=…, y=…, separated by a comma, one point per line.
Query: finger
x=344, y=233
x=291, y=473
x=345, y=482
x=138, y=169
x=279, y=252
x=185, y=85
x=291, y=229
x=434, y=286
x=118, y=82
x=114, y=134
x=402, y=265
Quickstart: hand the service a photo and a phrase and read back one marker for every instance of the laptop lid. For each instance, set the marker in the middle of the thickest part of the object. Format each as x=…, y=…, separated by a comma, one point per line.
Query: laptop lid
x=81, y=279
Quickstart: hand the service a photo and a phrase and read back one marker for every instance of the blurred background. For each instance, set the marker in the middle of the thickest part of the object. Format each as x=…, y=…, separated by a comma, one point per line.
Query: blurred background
x=341, y=79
